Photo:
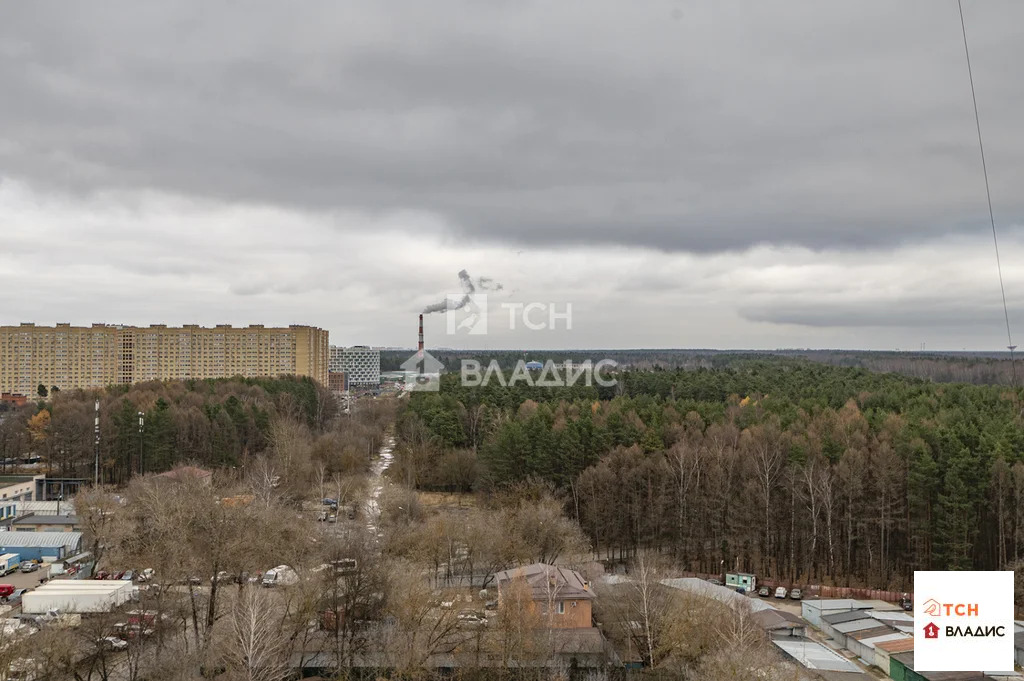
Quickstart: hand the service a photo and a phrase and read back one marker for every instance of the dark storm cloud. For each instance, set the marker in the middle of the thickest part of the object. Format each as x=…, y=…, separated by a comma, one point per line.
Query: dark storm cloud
x=679, y=126
x=933, y=313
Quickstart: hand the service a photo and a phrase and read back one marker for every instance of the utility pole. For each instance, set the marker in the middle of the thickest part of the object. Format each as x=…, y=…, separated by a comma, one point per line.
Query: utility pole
x=142, y=424
x=96, y=481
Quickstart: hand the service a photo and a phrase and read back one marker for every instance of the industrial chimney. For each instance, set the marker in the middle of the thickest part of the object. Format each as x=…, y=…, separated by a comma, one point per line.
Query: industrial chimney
x=421, y=336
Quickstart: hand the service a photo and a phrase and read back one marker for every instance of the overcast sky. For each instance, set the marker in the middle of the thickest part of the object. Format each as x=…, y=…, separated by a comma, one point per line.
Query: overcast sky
x=727, y=174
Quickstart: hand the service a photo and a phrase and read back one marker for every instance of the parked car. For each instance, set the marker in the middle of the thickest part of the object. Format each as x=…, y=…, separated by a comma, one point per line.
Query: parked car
x=780, y=592
x=145, y=575
x=6, y=591
x=796, y=594
x=345, y=566
x=127, y=631
x=128, y=575
x=15, y=598
x=112, y=643
x=472, y=619
x=281, y=575
x=764, y=592
x=30, y=566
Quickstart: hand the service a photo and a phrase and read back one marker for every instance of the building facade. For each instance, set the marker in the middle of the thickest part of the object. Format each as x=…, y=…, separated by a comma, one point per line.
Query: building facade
x=359, y=363
x=94, y=357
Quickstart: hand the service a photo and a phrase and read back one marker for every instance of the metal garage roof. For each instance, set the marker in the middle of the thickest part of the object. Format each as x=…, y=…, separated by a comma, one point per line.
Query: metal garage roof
x=38, y=539
x=813, y=655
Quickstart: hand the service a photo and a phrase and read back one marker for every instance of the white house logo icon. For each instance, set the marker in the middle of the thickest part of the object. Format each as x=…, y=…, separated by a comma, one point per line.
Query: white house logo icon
x=423, y=372
x=932, y=608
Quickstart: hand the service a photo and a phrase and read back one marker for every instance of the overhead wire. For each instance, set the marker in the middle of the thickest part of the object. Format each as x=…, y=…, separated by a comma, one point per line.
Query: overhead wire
x=988, y=194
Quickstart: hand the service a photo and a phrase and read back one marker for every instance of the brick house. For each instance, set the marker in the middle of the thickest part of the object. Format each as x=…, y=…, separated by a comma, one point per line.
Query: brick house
x=559, y=594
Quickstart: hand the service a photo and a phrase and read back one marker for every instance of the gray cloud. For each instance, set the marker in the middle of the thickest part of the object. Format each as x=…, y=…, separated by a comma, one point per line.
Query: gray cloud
x=926, y=313
x=679, y=126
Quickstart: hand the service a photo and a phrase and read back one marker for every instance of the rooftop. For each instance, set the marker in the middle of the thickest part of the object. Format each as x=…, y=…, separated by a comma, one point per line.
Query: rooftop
x=33, y=519
x=845, y=616
x=772, y=619
x=38, y=539
x=815, y=656
x=14, y=479
x=548, y=580
x=835, y=604
x=873, y=632
x=724, y=594
x=852, y=626
x=897, y=645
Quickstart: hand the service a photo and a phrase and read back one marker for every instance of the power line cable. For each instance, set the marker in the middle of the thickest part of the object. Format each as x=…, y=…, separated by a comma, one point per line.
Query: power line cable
x=988, y=194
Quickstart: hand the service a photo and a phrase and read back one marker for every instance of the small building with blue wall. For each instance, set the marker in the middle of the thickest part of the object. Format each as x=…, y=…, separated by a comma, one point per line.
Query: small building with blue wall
x=45, y=546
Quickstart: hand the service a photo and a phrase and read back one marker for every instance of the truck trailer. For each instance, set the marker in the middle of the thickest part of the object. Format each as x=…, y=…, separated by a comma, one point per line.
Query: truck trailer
x=77, y=596
x=9, y=563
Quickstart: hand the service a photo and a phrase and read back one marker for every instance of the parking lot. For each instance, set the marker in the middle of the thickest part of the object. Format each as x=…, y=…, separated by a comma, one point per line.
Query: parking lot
x=24, y=580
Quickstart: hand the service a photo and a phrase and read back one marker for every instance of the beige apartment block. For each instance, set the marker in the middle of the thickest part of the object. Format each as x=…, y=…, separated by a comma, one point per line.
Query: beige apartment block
x=93, y=357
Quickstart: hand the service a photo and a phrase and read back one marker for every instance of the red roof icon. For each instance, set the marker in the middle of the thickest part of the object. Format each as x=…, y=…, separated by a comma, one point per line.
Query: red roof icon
x=931, y=630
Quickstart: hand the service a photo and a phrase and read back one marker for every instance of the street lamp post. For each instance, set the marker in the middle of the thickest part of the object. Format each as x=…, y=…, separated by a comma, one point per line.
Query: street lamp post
x=142, y=425
x=96, y=481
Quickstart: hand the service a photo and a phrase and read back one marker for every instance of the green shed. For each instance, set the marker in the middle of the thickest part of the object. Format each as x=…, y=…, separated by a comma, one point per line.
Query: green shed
x=740, y=579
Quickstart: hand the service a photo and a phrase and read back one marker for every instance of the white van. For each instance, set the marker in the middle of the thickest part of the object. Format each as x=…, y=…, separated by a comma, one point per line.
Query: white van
x=780, y=592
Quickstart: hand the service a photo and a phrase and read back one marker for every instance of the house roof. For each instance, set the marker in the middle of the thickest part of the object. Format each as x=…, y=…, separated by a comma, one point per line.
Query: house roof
x=847, y=616
x=47, y=520
x=546, y=581
x=777, y=619
x=835, y=604
x=857, y=625
x=718, y=592
x=39, y=539
x=873, y=632
x=813, y=655
x=897, y=645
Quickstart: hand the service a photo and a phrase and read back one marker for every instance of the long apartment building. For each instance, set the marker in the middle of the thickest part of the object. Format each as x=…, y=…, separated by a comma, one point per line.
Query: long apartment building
x=93, y=357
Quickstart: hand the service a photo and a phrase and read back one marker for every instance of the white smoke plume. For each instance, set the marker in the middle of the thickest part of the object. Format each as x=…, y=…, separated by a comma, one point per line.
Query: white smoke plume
x=468, y=289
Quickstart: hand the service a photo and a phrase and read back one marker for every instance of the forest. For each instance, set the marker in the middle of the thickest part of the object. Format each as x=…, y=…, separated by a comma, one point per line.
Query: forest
x=220, y=424
x=794, y=470
x=978, y=368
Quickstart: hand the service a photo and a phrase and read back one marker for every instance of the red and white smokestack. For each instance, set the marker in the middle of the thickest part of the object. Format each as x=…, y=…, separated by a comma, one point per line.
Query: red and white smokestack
x=421, y=335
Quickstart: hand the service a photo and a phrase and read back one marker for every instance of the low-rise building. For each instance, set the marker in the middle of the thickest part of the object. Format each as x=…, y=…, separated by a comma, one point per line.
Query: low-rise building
x=32, y=522
x=718, y=592
x=780, y=623
x=49, y=547
x=862, y=643
x=819, y=660
x=560, y=596
x=885, y=649
x=741, y=580
x=813, y=609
